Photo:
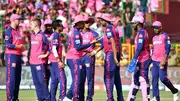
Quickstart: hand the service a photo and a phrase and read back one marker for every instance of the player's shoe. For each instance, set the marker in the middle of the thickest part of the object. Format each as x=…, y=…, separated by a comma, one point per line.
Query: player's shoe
x=67, y=99
x=176, y=96
x=154, y=99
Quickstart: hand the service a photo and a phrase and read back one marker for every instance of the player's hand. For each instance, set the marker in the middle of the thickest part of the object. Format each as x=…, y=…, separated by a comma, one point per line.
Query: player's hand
x=91, y=53
x=61, y=64
x=42, y=56
x=162, y=63
x=20, y=47
x=117, y=62
x=121, y=56
x=94, y=41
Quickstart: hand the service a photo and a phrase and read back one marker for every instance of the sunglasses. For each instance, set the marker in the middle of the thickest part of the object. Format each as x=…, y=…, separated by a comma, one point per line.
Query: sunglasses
x=155, y=27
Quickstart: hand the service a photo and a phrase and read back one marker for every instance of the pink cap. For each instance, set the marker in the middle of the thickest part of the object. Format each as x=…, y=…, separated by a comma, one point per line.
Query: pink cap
x=137, y=19
x=47, y=21
x=139, y=13
x=60, y=12
x=78, y=18
x=98, y=15
x=89, y=19
x=15, y=17
x=116, y=21
x=157, y=23
x=107, y=17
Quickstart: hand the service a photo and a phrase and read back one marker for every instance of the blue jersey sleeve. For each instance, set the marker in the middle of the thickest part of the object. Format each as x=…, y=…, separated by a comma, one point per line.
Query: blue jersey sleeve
x=140, y=44
x=45, y=40
x=109, y=32
x=8, y=39
x=78, y=42
x=167, y=44
x=101, y=42
x=95, y=34
x=55, y=39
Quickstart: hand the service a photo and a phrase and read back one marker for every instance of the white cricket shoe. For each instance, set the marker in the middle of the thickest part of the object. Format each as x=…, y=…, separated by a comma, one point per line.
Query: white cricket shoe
x=67, y=99
x=154, y=99
x=176, y=96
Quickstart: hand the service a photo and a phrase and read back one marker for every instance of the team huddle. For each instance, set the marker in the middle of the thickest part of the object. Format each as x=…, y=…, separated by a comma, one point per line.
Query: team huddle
x=46, y=50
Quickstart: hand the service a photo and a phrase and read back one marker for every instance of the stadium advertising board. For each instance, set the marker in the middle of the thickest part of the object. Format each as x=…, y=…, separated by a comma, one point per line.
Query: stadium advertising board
x=27, y=83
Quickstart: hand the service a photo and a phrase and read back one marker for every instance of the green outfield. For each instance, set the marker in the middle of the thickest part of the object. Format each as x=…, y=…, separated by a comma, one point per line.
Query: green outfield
x=30, y=95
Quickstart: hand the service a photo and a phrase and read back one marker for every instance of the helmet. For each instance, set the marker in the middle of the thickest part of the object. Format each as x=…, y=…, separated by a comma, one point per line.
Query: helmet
x=137, y=19
x=156, y=24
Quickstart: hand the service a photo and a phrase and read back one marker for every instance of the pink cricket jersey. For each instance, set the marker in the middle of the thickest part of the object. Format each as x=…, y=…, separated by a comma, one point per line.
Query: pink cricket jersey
x=39, y=43
x=161, y=46
x=110, y=32
x=145, y=53
x=87, y=37
x=13, y=38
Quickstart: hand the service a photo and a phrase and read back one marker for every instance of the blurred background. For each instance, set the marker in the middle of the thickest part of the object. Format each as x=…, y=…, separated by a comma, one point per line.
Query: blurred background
x=166, y=11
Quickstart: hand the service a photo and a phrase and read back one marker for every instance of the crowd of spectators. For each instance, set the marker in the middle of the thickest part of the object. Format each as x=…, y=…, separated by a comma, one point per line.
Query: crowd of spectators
x=66, y=10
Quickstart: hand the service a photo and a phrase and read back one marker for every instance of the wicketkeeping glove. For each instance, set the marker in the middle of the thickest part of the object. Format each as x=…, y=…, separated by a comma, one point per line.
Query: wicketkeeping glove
x=132, y=66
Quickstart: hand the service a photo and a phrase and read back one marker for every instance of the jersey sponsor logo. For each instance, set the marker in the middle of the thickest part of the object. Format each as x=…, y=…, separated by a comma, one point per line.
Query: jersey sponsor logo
x=6, y=37
x=77, y=36
x=18, y=38
x=34, y=42
x=157, y=42
x=140, y=41
x=86, y=40
x=108, y=29
x=55, y=41
x=140, y=36
x=77, y=41
x=109, y=34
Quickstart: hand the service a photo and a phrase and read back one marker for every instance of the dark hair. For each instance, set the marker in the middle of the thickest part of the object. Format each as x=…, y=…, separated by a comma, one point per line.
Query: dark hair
x=56, y=23
x=141, y=24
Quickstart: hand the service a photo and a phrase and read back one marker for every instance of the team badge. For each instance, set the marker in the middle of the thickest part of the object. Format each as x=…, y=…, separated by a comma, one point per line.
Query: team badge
x=13, y=64
x=108, y=29
x=77, y=36
x=140, y=36
x=38, y=67
x=6, y=37
x=55, y=41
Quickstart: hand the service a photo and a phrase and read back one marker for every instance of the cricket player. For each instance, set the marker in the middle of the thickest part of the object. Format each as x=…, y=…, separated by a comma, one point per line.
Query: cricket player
x=37, y=64
x=140, y=61
x=88, y=62
x=48, y=31
x=57, y=65
x=160, y=52
x=14, y=48
x=111, y=45
x=74, y=56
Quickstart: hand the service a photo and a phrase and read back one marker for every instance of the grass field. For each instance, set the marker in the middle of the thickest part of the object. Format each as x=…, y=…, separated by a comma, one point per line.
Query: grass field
x=30, y=95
